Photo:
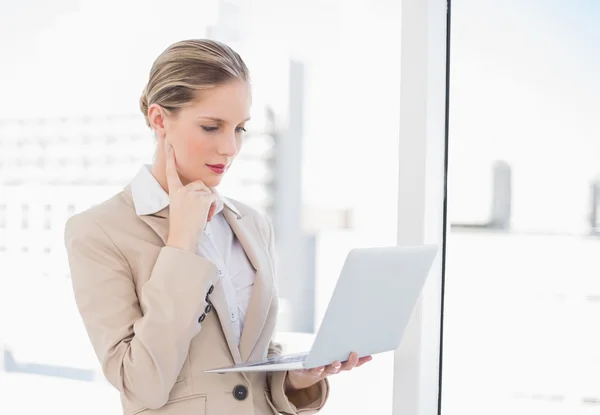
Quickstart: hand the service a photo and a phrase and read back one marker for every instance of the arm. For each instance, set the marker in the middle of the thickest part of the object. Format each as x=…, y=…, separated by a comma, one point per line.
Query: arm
x=305, y=401
x=141, y=353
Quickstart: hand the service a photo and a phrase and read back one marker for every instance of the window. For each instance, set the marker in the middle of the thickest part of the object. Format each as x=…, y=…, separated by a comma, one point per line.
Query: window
x=318, y=101
x=521, y=299
x=485, y=142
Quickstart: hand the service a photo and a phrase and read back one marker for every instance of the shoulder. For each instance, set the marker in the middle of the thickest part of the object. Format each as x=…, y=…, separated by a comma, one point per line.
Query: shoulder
x=113, y=213
x=93, y=241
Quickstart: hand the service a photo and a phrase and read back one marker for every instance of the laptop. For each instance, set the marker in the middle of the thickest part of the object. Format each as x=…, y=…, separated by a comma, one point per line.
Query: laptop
x=369, y=310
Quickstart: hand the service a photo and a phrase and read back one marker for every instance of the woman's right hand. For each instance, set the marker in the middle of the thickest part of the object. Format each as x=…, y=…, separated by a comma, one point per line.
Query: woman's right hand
x=191, y=207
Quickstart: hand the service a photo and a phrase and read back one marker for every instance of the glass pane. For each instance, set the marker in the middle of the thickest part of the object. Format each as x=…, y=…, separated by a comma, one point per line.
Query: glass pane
x=522, y=286
x=320, y=158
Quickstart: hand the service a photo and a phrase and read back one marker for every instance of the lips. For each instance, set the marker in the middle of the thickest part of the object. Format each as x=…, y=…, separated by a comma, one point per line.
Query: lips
x=217, y=168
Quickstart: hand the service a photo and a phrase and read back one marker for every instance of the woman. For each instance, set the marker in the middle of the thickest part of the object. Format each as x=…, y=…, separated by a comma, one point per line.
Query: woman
x=151, y=265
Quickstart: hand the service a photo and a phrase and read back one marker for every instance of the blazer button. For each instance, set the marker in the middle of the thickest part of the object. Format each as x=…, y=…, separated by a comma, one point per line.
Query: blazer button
x=240, y=392
x=208, y=308
x=202, y=317
x=211, y=289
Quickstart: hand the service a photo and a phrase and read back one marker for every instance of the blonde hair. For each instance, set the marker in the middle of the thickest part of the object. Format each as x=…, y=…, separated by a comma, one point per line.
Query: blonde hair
x=185, y=68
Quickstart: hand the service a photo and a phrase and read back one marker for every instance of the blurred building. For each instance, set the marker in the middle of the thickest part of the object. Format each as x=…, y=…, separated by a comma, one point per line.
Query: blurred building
x=53, y=168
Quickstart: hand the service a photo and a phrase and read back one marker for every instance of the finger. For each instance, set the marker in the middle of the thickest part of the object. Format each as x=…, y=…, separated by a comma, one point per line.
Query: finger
x=198, y=186
x=364, y=360
x=333, y=368
x=317, y=371
x=351, y=362
x=173, y=180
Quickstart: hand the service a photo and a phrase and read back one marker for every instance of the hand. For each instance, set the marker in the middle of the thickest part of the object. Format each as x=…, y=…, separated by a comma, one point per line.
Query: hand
x=191, y=207
x=302, y=379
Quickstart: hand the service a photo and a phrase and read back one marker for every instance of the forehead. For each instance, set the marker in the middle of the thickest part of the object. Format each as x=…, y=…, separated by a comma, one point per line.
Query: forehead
x=230, y=102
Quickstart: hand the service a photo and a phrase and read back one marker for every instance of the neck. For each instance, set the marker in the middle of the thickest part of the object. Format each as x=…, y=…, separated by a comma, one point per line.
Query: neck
x=158, y=171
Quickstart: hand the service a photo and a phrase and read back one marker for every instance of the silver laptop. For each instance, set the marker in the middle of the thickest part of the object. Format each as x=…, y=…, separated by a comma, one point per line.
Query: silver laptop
x=368, y=312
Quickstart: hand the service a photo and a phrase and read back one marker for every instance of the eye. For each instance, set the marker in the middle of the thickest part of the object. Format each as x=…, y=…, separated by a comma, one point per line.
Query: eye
x=240, y=129
x=209, y=129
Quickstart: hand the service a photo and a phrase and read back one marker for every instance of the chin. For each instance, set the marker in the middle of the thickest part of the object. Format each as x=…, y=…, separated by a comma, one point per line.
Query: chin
x=208, y=180
x=212, y=181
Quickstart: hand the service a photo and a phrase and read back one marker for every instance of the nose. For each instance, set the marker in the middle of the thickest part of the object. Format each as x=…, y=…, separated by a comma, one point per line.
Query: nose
x=228, y=144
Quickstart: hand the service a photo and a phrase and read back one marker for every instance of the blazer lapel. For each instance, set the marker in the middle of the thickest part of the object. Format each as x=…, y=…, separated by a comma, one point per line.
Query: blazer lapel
x=219, y=301
x=245, y=229
x=159, y=223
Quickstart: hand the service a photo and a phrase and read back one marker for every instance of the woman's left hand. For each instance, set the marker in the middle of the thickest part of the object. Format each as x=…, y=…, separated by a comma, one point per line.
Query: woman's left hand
x=302, y=379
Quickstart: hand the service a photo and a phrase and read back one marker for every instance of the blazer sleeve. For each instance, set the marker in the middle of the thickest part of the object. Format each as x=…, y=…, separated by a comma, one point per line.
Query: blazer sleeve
x=141, y=353
x=307, y=401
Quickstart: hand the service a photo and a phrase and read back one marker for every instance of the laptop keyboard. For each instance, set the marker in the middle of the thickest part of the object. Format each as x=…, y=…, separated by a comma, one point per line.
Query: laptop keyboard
x=281, y=359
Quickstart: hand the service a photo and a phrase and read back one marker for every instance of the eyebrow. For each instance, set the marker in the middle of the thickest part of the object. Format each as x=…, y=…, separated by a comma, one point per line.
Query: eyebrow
x=219, y=120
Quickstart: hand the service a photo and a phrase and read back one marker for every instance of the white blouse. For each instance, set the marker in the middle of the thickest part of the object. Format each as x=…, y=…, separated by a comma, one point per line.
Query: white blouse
x=217, y=243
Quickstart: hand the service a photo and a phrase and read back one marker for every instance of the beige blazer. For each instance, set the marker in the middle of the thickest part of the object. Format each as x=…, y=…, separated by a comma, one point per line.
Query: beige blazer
x=142, y=302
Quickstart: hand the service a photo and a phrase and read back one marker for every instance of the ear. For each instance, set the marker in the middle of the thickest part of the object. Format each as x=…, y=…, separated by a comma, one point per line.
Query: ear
x=156, y=118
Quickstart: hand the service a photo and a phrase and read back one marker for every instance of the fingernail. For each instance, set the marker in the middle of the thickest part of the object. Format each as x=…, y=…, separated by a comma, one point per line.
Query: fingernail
x=337, y=365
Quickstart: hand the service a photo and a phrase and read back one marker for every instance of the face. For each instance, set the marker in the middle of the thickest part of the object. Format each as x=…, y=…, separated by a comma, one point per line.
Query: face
x=207, y=135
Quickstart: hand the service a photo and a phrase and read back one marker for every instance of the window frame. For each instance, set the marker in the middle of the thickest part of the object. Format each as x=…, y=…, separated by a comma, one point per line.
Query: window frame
x=422, y=207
